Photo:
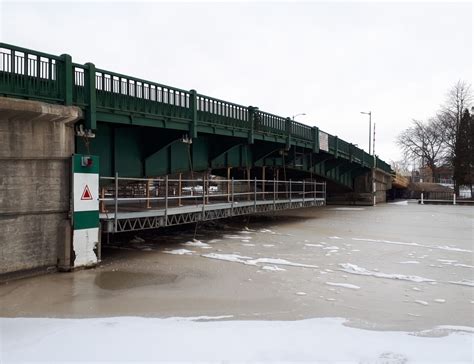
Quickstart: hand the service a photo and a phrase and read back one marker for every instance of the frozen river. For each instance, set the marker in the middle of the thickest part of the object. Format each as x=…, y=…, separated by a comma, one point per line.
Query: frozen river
x=395, y=267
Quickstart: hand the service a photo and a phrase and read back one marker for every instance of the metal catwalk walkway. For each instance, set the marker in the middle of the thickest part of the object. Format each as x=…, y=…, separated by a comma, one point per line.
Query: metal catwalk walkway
x=129, y=210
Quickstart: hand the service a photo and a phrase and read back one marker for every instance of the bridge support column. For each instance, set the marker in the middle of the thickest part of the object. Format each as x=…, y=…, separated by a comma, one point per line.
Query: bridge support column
x=36, y=144
x=363, y=189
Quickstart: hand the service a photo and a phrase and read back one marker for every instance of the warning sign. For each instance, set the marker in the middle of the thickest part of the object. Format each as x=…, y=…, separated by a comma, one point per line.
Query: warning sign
x=86, y=191
x=86, y=194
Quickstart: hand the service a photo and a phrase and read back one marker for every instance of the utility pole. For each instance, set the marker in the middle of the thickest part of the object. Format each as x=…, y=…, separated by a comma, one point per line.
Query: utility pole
x=374, y=172
x=373, y=144
x=370, y=129
x=372, y=152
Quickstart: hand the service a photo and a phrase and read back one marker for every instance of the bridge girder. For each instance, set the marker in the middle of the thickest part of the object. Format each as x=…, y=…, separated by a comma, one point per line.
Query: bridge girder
x=134, y=151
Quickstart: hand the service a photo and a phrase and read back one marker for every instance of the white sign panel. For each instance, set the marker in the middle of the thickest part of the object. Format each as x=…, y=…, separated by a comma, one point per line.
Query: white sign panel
x=323, y=141
x=86, y=192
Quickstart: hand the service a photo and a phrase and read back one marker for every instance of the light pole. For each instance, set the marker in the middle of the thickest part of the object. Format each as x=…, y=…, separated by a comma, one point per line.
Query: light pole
x=294, y=116
x=372, y=151
x=370, y=129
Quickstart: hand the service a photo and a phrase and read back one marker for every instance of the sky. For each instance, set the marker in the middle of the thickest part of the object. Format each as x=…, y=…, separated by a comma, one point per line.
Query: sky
x=328, y=60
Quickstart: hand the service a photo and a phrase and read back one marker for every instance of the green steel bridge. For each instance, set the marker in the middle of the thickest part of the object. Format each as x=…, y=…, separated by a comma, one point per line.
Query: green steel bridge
x=145, y=129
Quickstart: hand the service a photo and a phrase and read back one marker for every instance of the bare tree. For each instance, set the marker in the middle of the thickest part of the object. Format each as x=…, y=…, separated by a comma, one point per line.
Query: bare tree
x=458, y=98
x=434, y=142
x=425, y=142
x=401, y=167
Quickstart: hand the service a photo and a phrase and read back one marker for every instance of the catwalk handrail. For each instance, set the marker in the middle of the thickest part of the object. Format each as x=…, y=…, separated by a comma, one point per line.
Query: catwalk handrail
x=200, y=190
x=230, y=192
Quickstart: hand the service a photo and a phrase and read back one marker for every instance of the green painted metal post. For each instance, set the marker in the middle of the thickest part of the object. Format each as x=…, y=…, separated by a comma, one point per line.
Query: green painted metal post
x=252, y=114
x=315, y=130
x=25, y=68
x=288, y=132
x=336, y=143
x=194, y=118
x=91, y=97
x=38, y=68
x=67, y=83
x=12, y=63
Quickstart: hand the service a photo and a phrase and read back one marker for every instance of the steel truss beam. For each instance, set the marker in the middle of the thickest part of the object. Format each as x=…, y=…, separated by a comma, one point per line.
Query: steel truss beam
x=155, y=222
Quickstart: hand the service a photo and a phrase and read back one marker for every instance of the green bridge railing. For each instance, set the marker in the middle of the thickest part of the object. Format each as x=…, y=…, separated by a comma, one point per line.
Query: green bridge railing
x=29, y=74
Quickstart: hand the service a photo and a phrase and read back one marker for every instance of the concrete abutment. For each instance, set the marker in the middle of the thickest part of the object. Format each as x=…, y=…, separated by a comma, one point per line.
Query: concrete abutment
x=362, y=193
x=36, y=144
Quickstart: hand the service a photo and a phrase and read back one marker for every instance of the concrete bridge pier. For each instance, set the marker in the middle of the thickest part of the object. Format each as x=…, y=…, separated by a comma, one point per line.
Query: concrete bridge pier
x=362, y=193
x=36, y=144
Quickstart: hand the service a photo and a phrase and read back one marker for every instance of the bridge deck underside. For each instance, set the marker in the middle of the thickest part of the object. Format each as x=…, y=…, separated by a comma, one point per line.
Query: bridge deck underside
x=156, y=218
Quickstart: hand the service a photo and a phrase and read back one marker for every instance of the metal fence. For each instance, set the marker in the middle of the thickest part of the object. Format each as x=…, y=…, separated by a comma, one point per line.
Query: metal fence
x=464, y=197
x=123, y=198
x=447, y=196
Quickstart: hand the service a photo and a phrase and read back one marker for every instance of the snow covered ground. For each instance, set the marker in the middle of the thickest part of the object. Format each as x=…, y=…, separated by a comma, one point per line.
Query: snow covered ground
x=136, y=339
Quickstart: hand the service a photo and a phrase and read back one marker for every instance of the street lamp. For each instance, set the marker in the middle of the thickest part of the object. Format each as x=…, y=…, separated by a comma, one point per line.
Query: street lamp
x=370, y=128
x=374, y=186
x=294, y=116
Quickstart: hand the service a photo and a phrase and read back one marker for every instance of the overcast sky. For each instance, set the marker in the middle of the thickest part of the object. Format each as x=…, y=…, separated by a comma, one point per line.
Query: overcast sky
x=328, y=60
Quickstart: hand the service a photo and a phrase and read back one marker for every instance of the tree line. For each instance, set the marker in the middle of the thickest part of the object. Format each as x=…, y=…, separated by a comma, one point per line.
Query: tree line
x=446, y=139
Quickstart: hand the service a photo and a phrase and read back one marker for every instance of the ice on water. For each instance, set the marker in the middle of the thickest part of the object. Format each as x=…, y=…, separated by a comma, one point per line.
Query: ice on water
x=355, y=269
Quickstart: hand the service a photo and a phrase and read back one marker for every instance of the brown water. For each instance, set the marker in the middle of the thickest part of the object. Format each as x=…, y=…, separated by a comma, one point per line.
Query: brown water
x=138, y=279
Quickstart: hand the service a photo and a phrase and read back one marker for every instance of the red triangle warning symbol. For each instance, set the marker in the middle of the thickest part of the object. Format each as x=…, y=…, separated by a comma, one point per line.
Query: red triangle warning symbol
x=86, y=195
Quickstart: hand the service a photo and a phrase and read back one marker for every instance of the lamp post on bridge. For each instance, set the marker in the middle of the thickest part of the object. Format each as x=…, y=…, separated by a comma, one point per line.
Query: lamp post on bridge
x=370, y=129
x=372, y=152
x=294, y=116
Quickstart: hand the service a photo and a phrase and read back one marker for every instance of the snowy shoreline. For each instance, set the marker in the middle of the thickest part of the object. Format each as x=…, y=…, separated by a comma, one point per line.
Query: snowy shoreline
x=192, y=339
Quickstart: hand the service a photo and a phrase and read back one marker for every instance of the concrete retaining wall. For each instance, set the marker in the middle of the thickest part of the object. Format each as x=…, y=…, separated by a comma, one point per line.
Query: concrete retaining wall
x=36, y=143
